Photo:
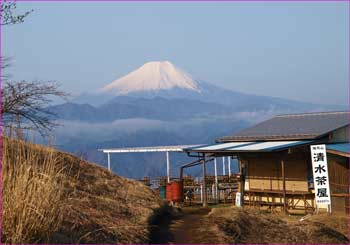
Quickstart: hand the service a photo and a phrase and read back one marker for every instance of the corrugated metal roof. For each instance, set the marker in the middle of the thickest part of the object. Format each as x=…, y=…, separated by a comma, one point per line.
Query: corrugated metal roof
x=214, y=147
x=248, y=146
x=292, y=127
x=178, y=148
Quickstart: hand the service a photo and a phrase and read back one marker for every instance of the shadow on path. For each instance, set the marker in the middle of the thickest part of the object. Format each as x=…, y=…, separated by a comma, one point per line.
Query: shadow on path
x=189, y=225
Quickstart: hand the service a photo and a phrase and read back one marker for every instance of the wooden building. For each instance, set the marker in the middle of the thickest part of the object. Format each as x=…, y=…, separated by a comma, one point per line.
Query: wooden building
x=275, y=160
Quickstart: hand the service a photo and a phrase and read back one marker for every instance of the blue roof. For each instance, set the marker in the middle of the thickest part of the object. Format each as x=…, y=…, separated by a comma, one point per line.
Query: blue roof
x=343, y=147
x=267, y=146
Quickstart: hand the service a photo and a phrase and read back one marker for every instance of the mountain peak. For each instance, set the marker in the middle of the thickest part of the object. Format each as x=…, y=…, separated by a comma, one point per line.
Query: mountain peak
x=153, y=76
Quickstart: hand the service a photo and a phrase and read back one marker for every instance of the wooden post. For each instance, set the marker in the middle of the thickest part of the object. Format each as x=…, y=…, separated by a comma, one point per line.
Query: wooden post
x=242, y=181
x=216, y=179
x=181, y=173
x=213, y=191
x=204, y=184
x=284, y=188
x=109, y=161
x=167, y=167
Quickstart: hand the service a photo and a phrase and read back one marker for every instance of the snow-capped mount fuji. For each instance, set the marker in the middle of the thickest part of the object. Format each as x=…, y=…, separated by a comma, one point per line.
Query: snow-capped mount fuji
x=153, y=77
x=162, y=79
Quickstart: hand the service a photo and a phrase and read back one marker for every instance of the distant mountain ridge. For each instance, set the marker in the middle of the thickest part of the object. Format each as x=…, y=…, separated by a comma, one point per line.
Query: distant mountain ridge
x=124, y=107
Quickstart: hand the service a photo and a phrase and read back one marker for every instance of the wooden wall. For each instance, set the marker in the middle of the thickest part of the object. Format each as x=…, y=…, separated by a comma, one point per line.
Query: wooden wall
x=265, y=173
x=338, y=168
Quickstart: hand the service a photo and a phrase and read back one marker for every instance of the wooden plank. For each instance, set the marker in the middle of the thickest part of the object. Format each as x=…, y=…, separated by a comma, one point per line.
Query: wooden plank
x=216, y=179
x=340, y=153
x=204, y=184
x=281, y=192
x=242, y=180
x=284, y=188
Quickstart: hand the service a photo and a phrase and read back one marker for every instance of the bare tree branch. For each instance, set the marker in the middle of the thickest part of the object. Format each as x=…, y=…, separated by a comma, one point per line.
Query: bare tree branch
x=25, y=103
x=5, y=63
x=8, y=17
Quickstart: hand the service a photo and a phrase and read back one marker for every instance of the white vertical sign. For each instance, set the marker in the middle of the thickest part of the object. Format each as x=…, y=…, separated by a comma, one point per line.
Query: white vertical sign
x=238, y=199
x=320, y=173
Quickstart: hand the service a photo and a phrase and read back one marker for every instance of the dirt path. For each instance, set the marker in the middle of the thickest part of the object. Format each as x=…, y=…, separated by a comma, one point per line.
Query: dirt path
x=247, y=226
x=190, y=226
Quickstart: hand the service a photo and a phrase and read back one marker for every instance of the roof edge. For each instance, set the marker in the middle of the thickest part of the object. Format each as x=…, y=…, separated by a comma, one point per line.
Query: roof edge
x=227, y=139
x=313, y=113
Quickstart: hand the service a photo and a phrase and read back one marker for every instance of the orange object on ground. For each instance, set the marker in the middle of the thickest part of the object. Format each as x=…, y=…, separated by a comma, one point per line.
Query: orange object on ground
x=174, y=191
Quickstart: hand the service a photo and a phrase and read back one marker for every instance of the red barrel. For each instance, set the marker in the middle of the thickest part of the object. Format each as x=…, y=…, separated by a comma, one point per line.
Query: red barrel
x=174, y=191
x=168, y=192
x=177, y=191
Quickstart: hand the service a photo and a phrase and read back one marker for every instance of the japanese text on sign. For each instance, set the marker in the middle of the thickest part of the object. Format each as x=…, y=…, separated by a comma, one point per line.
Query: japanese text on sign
x=320, y=173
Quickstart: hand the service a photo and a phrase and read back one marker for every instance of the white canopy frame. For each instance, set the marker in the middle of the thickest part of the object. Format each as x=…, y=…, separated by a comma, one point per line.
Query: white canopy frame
x=166, y=149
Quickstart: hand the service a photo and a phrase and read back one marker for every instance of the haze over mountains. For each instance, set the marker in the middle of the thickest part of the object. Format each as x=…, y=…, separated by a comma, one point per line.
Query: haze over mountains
x=160, y=104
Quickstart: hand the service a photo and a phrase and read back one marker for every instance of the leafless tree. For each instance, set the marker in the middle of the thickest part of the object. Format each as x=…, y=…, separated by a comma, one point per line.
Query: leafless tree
x=24, y=104
x=8, y=17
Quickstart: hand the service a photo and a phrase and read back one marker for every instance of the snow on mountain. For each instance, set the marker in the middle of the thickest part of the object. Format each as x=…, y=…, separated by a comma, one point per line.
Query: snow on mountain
x=151, y=77
x=162, y=79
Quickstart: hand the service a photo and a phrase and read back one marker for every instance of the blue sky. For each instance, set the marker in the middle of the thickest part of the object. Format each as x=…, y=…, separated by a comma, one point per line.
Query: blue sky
x=291, y=50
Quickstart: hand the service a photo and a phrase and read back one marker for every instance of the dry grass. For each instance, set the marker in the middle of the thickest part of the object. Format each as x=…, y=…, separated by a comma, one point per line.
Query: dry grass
x=338, y=222
x=70, y=201
x=255, y=226
x=102, y=207
x=31, y=193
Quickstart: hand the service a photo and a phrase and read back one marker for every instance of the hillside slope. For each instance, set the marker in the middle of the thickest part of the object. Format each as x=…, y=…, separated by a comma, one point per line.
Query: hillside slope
x=97, y=205
x=103, y=207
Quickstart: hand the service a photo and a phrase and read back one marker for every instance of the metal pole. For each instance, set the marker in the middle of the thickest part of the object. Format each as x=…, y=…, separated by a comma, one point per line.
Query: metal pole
x=229, y=166
x=181, y=174
x=201, y=192
x=167, y=167
x=204, y=184
x=213, y=191
x=284, y=188
x=216, y=179
x=109, y=161
x=223, y=166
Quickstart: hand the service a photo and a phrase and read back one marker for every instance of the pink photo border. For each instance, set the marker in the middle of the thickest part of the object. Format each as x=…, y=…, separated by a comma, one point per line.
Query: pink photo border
x=1, y=1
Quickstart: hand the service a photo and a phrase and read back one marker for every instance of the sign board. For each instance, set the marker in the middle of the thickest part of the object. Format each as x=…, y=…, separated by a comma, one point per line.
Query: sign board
x=246, y=185
x=238, y=199
x=320, y=173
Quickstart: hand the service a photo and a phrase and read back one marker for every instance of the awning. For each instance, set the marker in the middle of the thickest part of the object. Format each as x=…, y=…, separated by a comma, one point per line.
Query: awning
x=342, y=149
x=267, y=146
x=168, y=148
